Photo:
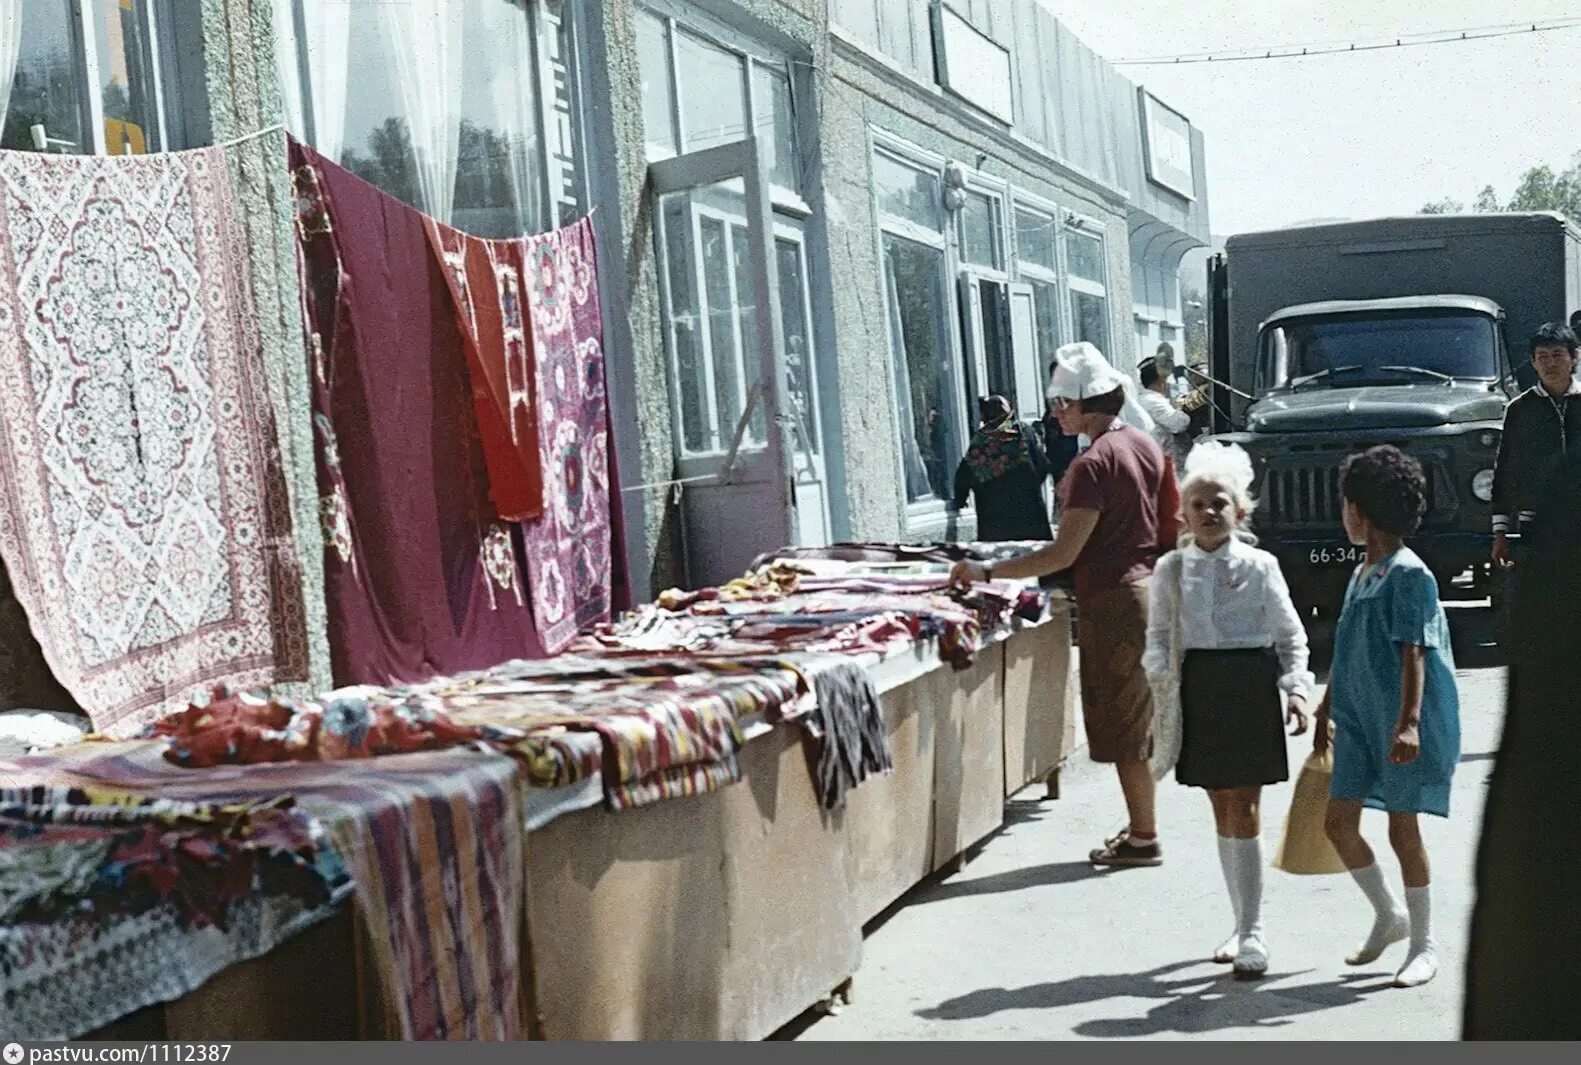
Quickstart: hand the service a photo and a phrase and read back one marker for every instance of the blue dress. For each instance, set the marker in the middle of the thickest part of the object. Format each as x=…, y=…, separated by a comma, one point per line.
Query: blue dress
x=1386, y=605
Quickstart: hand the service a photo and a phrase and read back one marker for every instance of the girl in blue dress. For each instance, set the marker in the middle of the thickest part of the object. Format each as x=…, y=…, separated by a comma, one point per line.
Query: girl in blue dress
x=1393, y=703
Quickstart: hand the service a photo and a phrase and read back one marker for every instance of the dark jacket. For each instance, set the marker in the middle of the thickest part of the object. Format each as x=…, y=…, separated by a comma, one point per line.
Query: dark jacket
x=1523, y=975
x=1010, y=506
x=1533, y=439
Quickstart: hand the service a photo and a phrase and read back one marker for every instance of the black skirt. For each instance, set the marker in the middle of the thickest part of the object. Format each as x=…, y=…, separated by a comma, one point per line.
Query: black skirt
x=1232, y=720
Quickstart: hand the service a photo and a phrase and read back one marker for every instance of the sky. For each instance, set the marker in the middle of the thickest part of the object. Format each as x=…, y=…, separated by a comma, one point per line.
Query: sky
x=1353, y=135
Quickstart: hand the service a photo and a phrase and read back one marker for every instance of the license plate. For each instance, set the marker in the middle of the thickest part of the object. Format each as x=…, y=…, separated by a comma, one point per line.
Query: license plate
x=1336, y=556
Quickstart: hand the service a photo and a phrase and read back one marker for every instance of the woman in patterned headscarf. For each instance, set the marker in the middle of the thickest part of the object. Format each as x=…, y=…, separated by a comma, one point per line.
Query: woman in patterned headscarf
x=1004, y=469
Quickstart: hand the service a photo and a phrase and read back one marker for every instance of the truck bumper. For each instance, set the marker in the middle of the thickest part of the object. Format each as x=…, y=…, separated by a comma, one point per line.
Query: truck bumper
x=1316, y=582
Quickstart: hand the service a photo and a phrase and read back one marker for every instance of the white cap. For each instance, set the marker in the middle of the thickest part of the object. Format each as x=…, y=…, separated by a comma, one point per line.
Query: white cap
x=1081, y=372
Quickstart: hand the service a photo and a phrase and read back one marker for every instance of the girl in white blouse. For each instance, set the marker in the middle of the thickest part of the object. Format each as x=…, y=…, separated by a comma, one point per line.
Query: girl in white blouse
x=1243, y=674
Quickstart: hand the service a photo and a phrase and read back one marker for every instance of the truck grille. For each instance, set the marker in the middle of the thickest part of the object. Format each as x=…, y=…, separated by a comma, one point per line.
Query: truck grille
x=1308, y=494
x=1302, y=495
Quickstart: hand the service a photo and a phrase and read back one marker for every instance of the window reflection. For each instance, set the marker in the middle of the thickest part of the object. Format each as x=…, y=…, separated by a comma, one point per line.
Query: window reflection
x=47, y=89
x=126, y=86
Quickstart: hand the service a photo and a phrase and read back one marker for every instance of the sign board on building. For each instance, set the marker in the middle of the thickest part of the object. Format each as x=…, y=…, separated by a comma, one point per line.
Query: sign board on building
x=971, y=64
x=1166, y=145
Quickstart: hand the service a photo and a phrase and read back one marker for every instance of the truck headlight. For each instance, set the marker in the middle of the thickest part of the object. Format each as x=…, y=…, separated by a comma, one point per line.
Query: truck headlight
x=1482, y=486
x=1489, y=438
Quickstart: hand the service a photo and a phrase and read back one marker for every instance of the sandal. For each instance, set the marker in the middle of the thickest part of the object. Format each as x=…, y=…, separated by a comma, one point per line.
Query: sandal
x=1120, y=851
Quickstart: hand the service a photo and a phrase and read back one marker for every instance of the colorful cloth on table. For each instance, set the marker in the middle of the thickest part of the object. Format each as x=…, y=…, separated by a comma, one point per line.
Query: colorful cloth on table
x=434, y=841
x=671, y=726
x=422, y=576
x=144, y=515
x=110, y=903
x=568, y=549
x=488, y=287
x=1388, y=605
x=241, y=730
x=848, y=726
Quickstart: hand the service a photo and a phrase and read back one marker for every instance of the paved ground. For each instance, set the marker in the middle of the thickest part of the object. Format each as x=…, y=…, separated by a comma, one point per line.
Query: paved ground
x=1030, y=942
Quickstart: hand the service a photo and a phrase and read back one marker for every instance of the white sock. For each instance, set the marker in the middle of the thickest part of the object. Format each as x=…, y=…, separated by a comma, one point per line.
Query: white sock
x=1390, y=925
x=1421, y=959
x=1229, y=860
x=1249, y=875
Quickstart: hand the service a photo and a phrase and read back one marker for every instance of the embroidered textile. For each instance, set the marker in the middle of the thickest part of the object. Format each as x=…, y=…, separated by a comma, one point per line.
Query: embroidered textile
x=144, y=517
x=237, y=729
x=487, y=284
x=435, y=842
x=418, y=575
x=568, y=549
x=109, y=903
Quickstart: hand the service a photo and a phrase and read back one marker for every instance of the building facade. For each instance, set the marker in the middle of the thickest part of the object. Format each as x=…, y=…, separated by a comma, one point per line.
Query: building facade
x=826, y=226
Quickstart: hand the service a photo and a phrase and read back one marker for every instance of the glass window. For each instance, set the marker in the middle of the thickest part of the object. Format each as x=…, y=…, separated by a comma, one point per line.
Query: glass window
x=499, y=182
x=1090, y=319
x=722, y=319
x=1045, y=311
x=713, y=97
x=1035, y=240
x=125, y=68
x=925, y=386
x=47, y=89
x=746, y=349
x=798, y=338
x=1084, y=256
x=775, y=124
x=513, y=157
x=979, y=230
x=1390, y=347
x=907, y=192
x=658, y=88
x=685, y=320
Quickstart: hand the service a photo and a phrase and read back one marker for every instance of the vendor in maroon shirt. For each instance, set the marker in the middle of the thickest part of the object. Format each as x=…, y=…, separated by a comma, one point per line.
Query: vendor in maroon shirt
x=1110, y=532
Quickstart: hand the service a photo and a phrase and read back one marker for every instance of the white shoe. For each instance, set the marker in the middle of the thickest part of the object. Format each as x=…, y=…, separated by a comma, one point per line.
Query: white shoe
x=1228, y=949
x=1418, y=969
x=1386, y=931
x=1251, y=960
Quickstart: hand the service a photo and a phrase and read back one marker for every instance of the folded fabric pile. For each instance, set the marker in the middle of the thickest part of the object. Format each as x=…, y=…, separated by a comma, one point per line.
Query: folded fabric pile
x=143, y=900
x=233, y=728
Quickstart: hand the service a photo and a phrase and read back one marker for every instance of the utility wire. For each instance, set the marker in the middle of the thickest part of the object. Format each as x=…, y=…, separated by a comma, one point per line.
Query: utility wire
x=1404, y=40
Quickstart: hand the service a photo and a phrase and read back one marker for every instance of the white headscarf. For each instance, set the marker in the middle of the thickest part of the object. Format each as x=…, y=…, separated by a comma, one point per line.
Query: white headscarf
x=1081, y=372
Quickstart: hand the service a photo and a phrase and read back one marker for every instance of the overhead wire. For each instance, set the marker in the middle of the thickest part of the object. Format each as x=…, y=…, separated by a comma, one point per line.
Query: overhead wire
x=1370, y=44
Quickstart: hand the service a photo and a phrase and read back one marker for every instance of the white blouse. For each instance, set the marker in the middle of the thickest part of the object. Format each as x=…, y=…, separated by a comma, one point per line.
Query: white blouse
x=1230, y=599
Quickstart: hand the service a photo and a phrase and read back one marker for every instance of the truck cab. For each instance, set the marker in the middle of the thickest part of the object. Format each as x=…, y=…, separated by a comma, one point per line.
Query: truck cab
x=1326, y=339
x=1429, y=374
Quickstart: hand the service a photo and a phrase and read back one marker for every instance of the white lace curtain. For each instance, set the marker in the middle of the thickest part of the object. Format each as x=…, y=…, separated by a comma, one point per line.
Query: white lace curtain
x=425, y=38
x=327, y=24
x=10, y=49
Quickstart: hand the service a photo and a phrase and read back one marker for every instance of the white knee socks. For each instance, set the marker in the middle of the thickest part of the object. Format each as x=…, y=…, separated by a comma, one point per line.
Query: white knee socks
x=1229, y=856
x=1390, y=924
x=1421, y=959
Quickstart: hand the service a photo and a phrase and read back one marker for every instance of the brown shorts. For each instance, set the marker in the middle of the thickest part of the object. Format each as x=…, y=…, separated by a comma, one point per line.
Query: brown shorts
x=1116, y=699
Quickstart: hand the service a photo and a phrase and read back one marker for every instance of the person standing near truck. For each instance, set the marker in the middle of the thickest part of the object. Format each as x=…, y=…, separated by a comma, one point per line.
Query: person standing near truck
x=1538, y=425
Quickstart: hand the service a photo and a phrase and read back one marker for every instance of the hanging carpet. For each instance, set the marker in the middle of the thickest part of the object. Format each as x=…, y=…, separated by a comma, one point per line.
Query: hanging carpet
x=144, y=519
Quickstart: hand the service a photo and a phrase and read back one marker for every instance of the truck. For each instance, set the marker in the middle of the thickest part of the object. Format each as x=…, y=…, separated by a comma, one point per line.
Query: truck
x=1324, y=340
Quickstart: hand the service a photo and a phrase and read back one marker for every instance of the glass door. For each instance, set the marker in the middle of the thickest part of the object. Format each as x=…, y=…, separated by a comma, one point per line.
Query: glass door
x=733, y=293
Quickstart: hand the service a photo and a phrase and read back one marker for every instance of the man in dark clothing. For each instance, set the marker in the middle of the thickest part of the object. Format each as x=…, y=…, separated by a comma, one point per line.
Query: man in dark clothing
x=1538, y=426
x=1523, y=974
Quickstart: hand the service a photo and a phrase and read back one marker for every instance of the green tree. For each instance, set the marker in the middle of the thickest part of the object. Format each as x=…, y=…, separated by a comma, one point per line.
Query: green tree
x=1540, y=189
x=1444, y=206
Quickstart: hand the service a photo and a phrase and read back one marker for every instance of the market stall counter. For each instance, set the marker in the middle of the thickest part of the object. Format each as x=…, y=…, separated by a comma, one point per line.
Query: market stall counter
x=709, y=884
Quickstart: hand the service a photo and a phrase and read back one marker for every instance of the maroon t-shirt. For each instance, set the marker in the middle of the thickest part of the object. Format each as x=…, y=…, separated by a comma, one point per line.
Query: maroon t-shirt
x=1119, y=476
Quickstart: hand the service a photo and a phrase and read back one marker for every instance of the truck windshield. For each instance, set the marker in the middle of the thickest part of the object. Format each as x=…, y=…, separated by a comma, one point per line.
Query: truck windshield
x=1391, y=347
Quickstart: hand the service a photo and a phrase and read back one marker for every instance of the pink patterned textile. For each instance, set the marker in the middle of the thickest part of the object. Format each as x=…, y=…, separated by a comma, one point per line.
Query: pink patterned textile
x=568, y=548
x=143, y=509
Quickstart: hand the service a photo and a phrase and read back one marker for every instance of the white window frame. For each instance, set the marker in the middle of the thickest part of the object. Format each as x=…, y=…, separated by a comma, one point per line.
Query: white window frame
x=928, y=516
x=1027, y=270
x=1093, y=228
x=84, y=14
x=678, y=17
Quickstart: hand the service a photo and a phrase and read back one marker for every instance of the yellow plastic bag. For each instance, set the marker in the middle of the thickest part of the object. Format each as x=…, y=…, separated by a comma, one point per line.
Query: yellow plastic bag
x=1306, y=848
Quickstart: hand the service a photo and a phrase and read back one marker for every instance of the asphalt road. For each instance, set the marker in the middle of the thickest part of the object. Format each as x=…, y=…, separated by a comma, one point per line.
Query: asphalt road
x=1030, y=942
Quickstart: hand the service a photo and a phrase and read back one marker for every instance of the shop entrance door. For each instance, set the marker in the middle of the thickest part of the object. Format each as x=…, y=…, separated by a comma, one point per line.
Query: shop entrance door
x=733, y=288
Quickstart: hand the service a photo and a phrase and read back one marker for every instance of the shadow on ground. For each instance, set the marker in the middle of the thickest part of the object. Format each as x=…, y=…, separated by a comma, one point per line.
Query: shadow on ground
x=1208, y=1002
